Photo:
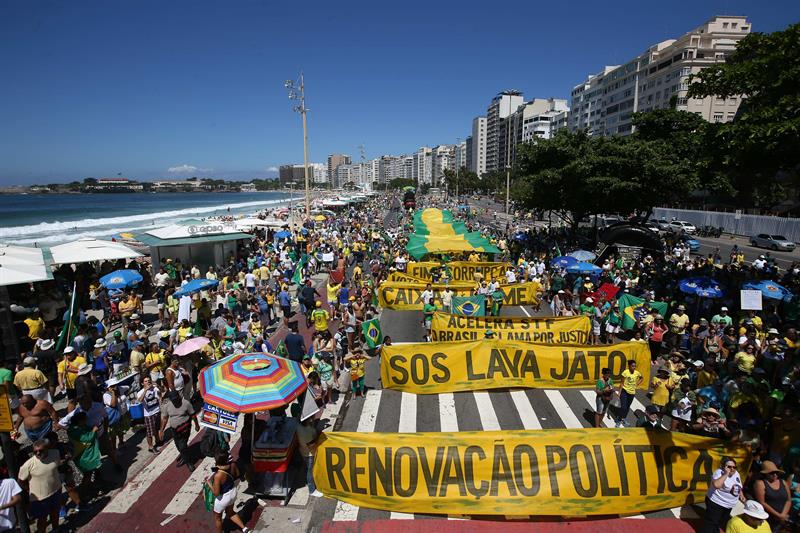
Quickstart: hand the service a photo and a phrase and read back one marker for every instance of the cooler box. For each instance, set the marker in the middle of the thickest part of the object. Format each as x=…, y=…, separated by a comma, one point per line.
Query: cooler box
x=137, y=411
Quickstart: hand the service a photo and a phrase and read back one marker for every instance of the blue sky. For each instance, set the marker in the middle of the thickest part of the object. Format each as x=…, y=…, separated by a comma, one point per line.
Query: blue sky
x=96, y=88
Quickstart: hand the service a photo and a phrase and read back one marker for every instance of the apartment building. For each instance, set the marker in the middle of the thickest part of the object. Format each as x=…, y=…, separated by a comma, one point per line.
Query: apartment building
x=334, y=160
x=477, y=154
x=499, y=108
x=658, y=79
x=533, y=120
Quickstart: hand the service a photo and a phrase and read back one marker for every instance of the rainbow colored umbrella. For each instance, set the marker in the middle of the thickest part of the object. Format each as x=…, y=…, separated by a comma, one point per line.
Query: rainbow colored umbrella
x=252, y=382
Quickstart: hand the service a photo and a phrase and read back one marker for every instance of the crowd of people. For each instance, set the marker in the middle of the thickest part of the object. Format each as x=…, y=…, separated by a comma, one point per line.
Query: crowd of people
x=716, y=371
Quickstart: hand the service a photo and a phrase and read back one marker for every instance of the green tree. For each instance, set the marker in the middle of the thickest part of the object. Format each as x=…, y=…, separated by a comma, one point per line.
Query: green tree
x=399, y=183
x=760, y=149
x=467, y=181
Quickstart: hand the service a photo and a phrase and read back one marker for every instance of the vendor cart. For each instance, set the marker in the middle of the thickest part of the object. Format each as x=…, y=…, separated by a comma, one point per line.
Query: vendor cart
x=274, y=458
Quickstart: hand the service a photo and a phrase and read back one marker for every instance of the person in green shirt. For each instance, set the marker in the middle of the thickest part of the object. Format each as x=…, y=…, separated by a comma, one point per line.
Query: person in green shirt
x=84, y=441
x=427, y=317
x=722, y=319
x=605, y=391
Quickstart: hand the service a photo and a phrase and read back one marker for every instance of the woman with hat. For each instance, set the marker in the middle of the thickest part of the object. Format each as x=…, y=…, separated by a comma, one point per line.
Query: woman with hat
x=724, y=492
x=748, y=518
x=710, y=424
x=774, y=494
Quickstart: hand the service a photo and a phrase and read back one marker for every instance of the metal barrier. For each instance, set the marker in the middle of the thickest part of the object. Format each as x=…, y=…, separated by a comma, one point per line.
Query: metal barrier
x=735, y=223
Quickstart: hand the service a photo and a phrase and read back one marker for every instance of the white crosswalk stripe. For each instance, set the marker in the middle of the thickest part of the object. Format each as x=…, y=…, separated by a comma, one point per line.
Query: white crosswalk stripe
x=525, y=410
x=408, y=424
x=563, y=409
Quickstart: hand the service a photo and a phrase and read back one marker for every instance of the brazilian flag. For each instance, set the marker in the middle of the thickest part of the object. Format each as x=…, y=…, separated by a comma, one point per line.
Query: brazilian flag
x=372, y=332
x=281, y=350
x=633, y=309
x=297, y=278
x=468, y=305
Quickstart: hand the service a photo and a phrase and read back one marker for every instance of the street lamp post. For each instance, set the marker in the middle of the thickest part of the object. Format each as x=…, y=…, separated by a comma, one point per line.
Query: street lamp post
x=297, y=91
x=458, y=151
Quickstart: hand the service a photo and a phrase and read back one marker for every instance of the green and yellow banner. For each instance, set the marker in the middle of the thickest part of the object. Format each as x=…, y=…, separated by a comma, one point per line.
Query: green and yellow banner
x=438, y=367
x=561, y=472
x=407, y=296
x=544, y=330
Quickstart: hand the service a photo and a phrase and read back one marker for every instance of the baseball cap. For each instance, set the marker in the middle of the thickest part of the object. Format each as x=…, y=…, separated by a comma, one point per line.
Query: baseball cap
x=723, y=308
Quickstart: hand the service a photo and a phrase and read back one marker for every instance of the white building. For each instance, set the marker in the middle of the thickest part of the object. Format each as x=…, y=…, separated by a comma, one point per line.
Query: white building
x=658, y=79
x=443, y=157
x=460, y=155
x=478, y=153
x=423, y=166
x=499, y=108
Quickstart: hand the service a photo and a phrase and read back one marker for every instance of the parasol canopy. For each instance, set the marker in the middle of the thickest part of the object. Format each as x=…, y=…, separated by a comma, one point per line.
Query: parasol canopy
x=119, y=279
x=196, y=285
x=191, y=345
x=563, y=261
x=584, y=268
x=702, y=286
x=583, y=255
x=252, y=382
x=769, y=289
x=283, y=234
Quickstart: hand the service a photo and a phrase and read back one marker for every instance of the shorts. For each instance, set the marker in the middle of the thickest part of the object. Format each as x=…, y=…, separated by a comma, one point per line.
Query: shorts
x=611, y=328
x=595, y=330
x=428, y=323
x=224, y=501
x=43, y=508
x=152, y=424
x=601, y=405
x=160, y=307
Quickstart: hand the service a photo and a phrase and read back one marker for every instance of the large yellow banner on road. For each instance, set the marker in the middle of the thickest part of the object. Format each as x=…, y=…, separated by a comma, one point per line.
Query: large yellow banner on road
x=459, y=270
x=547, y=330
x=407, y=296
x=437, y=367
x=565, y=472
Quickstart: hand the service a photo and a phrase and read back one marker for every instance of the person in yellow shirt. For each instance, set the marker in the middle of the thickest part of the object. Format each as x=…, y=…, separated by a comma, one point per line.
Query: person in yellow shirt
x=68, y=371
x=320, y=318
x=30, y=380
x=662, y=386
x=35, y=325
x=746, y=359
x=183, y=331
x=155, y=363
x=631, y=379
x=752, y=518
x=678, y=323
x=333, y=296
x=254, y=329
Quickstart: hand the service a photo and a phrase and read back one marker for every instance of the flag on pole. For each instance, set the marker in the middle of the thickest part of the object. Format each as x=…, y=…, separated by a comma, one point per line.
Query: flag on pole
x=70, y=328
x=633, y=309
x=468, y=305
x=281, y=350
x=373, y=335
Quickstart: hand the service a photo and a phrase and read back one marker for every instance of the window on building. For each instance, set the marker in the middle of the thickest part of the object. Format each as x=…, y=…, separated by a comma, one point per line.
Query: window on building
x=731, y=115
x=683, y=101
x=734, y=24
x=745, y=28
x=724, y=25
x=719, y=117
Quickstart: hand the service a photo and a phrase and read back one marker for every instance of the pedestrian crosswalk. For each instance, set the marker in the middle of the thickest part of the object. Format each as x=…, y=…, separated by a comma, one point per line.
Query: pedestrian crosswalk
x=392, y=411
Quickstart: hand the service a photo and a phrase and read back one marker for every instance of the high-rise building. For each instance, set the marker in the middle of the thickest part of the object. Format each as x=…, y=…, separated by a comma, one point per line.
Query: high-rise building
x=318, y=174
x=442, y=158
x=531, y=121
x=500, y=107
x=460, y=160
x=422, y=167
x=334, y=160
x=292, y=173
x=657, y=79
x=478, y=152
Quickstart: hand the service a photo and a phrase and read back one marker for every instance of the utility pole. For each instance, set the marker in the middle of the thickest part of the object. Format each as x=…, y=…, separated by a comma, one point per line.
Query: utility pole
x=508, y=167
x=363, y=165
x=297, y=91
x=458, y=151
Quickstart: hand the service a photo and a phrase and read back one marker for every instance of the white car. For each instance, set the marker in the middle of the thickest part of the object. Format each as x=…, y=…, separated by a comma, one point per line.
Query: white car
x=681, y=226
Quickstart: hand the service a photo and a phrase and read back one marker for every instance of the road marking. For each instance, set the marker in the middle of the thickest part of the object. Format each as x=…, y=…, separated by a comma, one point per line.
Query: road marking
x=447, y=413
x=193, y=486
x=408, y=424
x=486, y=411
x=525, y=410
x=366, y=424
x=168, y=520
x=563, y=410
x=133, y=491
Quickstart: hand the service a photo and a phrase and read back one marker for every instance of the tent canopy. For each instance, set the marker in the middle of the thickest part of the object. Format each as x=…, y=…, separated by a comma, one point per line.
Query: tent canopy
x=89, y=249
x=23, y=264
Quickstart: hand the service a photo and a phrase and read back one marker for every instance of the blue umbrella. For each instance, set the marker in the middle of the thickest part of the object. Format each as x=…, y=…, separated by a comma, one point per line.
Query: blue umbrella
x=119, y=279
x=769, y=289
x=196, y=285
x=584, y=268
x=283, y=235
x=702, y=286
x=563, y=261
x=583, y=255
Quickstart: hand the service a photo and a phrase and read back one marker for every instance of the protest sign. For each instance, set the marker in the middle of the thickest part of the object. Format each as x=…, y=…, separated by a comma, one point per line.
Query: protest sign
x=406, y=296
x=575, y=472
x=545, y=330
x=438, y=367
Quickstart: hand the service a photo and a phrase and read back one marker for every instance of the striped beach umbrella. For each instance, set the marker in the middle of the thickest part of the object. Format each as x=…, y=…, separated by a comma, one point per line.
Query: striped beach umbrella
x=252, y=382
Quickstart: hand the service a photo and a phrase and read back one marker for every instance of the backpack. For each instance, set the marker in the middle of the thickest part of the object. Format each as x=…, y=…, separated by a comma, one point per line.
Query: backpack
x=213, y=442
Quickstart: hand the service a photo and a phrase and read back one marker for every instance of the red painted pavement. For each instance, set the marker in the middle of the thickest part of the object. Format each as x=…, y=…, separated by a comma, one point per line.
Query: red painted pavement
x=617, y=525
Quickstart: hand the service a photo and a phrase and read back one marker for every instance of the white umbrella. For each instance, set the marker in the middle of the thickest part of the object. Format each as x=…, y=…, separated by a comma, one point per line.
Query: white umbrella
x=255, y=222
x=22, y=264
x=89, y=249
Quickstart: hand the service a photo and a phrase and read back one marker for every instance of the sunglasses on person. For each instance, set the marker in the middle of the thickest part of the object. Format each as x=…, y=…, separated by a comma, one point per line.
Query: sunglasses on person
x=730, y=466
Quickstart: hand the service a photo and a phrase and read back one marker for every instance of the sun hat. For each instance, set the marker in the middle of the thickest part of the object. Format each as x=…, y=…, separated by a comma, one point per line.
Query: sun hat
x=47, y=344
x=750, y=508
x=69, y=349
x=773, y=331
x=589, y=300
x=767, y=467
x=84, y=369
x=100, y=343
x=135, y=316
x=711, y=410
x=699, y=364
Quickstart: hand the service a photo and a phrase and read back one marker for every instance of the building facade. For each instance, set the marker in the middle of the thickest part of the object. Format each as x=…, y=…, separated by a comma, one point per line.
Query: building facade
x=658, y=79
x=334, y=160
x=478, y=151
x=499, y=108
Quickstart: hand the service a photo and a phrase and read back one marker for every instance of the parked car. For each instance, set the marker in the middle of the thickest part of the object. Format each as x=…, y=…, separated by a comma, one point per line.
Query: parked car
x=694, y=244
x=681, y=226
x=654, y=226
x=773, y=242
x=663, y=224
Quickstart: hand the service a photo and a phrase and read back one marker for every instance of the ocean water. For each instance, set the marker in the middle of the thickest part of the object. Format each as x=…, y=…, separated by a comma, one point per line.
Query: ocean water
x=49, y=219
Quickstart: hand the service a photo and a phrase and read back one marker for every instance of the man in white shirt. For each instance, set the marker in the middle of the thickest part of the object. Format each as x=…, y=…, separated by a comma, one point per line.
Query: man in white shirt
x=162, y=278
x=250, y=282
x=511, y=277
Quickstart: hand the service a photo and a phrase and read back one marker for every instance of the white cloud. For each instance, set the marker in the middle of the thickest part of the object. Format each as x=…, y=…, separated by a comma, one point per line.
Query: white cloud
x=186, y=169
x=272, y=169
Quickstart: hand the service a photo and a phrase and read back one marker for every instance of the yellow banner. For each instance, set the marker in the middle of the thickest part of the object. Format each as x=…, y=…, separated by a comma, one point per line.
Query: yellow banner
x=544, y=330
x=407, y=296
x=6, y=418
x=405, y=278
x=459, y=270
x=569, y=472
x=437, y=367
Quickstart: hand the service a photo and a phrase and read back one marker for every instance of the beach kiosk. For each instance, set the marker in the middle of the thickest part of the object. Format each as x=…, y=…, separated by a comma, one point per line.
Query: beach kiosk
x=194, y=242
